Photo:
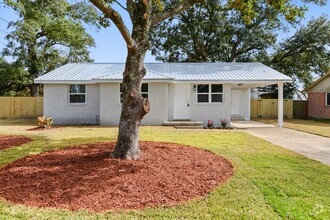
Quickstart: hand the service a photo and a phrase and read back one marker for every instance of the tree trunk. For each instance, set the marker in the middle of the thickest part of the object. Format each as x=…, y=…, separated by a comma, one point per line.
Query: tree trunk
x=134, y=107
x=34, y=90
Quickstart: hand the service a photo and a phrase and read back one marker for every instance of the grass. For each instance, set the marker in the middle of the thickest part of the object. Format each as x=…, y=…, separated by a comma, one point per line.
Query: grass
x=321, y=128
x=269, y=182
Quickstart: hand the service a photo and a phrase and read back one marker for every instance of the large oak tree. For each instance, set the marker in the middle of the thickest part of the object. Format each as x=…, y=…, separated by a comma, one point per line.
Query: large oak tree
x=224, y=36
x=303, y=56
x=213, y=31
x=48, y=33
x=144, y=15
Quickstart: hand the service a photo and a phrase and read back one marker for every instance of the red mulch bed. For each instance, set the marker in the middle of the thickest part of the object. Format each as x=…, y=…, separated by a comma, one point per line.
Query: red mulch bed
x=84, y=177
x=7, y=141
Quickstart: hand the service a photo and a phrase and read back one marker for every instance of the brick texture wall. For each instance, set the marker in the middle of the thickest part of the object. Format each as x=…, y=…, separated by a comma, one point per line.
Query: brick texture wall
x=316, y=105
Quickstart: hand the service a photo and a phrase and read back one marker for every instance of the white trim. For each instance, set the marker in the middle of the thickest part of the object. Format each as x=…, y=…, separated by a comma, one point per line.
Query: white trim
x=249, y=104
x=64, y=82
x=244, y=82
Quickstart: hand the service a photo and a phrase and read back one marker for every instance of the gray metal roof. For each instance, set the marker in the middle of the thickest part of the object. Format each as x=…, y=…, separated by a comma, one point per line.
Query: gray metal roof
x=94, y=72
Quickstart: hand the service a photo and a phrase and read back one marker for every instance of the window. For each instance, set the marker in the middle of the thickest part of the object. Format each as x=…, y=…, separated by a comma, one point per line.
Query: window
x=327, y=98
x=144, y=91
x=209, y=93
x=77, y=93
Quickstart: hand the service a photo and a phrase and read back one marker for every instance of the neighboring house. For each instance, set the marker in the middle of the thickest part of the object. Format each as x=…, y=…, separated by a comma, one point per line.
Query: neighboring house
x=90, y=93
x=319, y=98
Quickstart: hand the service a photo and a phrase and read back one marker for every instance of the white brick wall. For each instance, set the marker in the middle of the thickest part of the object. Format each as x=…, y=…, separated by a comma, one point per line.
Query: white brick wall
x=56, y=105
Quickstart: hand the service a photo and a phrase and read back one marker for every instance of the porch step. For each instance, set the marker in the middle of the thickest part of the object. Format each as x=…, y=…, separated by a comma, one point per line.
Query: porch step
x=183, y=123
x=189, y=127
x=237, y=118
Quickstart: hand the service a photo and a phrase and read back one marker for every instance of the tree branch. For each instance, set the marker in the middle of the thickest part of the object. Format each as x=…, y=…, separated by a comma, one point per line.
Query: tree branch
x=117, y=20
x=120, y=5
x=167, y=13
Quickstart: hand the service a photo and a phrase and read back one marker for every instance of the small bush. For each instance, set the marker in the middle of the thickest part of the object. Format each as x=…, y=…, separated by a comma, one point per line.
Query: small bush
x=44, y=122
x=210, y=124
x=224, y=123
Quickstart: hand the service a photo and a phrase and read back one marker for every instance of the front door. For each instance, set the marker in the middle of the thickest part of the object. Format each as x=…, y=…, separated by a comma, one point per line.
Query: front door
x=236, y=102
x=182, y=101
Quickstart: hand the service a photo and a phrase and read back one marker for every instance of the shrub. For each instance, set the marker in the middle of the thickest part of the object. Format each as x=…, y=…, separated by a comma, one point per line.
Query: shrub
x=224, y=123
x=210, y=124
x=44, y=122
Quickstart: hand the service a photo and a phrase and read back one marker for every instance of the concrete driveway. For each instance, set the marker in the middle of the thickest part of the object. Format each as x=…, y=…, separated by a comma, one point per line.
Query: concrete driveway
x=309, y=145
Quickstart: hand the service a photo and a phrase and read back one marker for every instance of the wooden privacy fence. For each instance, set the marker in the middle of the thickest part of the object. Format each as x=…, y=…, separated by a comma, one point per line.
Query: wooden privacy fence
x=268, y=108
x=21, y=107
x=300, y=109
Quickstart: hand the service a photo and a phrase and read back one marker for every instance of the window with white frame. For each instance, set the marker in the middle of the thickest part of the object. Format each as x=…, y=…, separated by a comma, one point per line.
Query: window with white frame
x=77, y=93
x=327, y=98
x=209, y=93
x=144, y=91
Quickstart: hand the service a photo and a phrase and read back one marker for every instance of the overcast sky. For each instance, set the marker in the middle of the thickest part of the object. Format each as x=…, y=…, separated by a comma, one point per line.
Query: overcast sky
x=110, y=47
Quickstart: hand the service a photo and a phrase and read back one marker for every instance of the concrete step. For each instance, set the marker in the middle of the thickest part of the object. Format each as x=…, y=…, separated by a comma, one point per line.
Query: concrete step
x=183, y=123
x=237, y=118
x=189, y=127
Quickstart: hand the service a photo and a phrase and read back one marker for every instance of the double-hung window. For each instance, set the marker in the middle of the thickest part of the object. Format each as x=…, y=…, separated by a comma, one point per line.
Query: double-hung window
x=144, y=91
x=77, y=93
x=327, y=98
x=209, y=93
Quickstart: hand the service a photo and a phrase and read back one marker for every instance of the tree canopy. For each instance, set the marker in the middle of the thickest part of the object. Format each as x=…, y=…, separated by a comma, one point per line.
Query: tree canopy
x=305, y=54
x=213, y=31
x=217, y=31
x=13, y=79
x=48, y=33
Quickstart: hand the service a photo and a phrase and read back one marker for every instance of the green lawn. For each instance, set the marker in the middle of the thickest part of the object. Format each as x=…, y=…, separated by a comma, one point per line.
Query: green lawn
x=309, y=126
x=269, y=182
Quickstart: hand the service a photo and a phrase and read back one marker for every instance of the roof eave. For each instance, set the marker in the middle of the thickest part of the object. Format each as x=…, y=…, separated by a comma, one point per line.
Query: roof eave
x=159, y=80
x=64, y=82
x=235, y=81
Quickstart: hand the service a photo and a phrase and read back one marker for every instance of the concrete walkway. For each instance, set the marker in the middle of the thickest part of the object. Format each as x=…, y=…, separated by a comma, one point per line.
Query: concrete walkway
x=309, y=145
x=250, y=124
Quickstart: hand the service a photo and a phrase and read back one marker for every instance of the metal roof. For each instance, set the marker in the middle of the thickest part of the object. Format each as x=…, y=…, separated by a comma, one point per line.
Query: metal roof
x=95, y=72
x=150, y=75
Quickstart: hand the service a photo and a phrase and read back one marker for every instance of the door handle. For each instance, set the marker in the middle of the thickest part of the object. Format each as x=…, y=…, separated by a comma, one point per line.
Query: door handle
x=188, y=104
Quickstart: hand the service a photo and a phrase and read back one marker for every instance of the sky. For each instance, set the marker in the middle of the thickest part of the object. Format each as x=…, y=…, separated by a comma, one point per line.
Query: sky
x=110, y=47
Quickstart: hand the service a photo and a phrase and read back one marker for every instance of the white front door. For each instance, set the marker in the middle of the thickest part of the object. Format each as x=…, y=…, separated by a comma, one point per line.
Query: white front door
x=236, y=102
x=182, y=101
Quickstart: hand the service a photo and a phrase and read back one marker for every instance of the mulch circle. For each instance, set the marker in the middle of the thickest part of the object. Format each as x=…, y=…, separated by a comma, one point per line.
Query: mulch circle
x=85, y=177
x=7, y=141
